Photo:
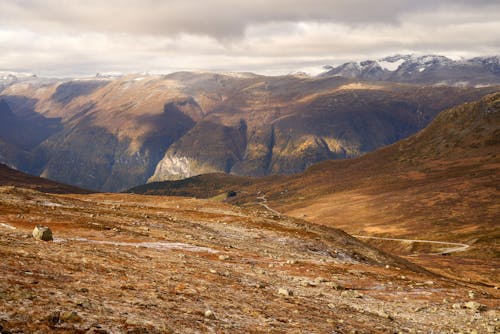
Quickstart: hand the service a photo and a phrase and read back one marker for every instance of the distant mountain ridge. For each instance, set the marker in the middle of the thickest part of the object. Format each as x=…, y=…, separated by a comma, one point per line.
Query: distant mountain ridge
x=427, y=69
x=110, y=133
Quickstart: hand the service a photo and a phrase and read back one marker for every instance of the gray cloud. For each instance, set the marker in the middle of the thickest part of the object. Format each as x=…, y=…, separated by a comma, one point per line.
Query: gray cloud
x=78, y=37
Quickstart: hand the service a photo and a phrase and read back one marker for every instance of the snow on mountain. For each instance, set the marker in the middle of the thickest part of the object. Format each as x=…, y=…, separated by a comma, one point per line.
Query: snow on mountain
x=431, y=69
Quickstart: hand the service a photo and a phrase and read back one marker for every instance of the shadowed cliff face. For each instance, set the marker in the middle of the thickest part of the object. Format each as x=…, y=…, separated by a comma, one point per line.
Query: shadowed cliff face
x=112, y=134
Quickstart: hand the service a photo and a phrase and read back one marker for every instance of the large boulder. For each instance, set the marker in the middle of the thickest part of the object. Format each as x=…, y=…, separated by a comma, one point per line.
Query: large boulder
x=42, y=233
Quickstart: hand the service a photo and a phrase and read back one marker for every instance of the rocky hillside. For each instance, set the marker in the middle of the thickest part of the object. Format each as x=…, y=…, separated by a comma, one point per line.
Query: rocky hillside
x=144, y=264
x=112, y=133
x=440, y=184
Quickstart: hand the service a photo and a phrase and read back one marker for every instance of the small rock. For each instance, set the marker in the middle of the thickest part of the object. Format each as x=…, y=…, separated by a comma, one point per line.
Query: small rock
x=42, y=233
x=320, y=280
x=223, y=257
x=213, y=271
x=53, y=318
x=71, y=316
x=95, y=330
x=285, y=292
x=383, y=314
x=209, y=314
x=490, y=329
x=429, y=283
x=456, y=306
x=335, y=285
x=351, y=294
x=291, y=261
x=475, y=306
x=472, y=294
x=84, y=304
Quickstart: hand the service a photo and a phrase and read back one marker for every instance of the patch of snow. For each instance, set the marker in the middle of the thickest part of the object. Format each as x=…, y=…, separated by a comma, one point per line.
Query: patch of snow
x=391, y=65
x=421, y=69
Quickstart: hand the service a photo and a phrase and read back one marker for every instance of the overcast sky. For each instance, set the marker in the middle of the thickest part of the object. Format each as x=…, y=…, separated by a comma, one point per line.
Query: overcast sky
x=83, y=37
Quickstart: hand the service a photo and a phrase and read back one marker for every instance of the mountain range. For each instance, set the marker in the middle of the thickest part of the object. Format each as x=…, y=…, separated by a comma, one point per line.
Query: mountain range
x=426, y=69
x=110, y=133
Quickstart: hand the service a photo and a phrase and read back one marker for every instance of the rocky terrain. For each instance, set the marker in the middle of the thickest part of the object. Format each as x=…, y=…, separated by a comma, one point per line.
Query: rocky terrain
x=438, y=185
x=112, y=133
x=122, y=263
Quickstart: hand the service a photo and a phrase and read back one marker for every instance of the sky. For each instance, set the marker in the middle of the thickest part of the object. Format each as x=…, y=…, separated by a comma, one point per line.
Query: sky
x=84, y=37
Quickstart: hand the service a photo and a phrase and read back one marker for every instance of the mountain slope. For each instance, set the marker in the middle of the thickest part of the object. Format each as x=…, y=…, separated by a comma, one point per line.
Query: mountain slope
x=114, y=133
x=440, y=184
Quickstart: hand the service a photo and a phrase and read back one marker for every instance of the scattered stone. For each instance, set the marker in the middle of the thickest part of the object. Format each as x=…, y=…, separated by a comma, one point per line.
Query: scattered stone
x=84, y=304
x=475, y=306
x=70, y=316
x=335, y=285
x=490, y=329
x=285, y=292
x=472, y=294
x=320, y=280
x=384, y=314
x=351, y=294
x=209, y=314
x=456, y=306
x=53, y=318
x=96, y=330
x=42, y=233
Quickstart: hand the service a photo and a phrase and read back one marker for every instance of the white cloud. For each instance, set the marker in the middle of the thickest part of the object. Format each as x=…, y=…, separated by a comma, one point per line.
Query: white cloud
x=84, y=37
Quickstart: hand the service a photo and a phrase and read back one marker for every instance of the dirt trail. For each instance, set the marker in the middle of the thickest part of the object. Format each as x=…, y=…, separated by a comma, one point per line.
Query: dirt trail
x=456, y=247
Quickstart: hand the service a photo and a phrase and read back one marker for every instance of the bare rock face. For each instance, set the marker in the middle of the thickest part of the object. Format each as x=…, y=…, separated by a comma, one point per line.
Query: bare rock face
x=42, y=233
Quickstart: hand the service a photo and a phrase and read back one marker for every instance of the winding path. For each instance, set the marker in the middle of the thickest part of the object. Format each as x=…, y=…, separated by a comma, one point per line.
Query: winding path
x=455, y=246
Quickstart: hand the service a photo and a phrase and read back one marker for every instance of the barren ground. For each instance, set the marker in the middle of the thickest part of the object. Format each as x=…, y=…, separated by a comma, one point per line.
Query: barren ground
x=146, y=264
